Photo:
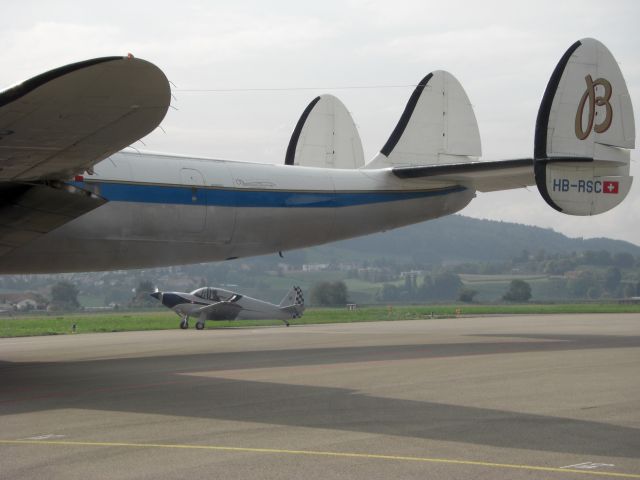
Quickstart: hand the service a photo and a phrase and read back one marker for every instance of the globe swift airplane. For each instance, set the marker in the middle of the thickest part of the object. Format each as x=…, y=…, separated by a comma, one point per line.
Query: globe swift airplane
x=208, y=303
x=71, y=200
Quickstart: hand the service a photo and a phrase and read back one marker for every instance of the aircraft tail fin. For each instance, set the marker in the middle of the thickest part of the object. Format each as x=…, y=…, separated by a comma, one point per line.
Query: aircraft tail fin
x=438, y=126
x=293, y=302
x=325, y=136
x=584, y=131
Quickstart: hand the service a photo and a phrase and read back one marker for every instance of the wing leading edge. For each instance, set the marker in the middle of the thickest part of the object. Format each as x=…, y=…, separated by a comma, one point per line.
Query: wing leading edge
x=65, y=121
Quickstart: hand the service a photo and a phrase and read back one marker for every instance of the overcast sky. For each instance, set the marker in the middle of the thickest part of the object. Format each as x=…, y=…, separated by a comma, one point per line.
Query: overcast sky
x=502, y=52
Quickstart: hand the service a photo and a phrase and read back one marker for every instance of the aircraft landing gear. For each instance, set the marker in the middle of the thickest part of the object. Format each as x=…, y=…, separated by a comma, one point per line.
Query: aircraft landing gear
x=184, y=324
x=200, y=326
x=286, y=323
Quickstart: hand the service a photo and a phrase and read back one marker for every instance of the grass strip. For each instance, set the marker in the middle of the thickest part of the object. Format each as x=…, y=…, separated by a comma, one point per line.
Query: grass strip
x=60, y=324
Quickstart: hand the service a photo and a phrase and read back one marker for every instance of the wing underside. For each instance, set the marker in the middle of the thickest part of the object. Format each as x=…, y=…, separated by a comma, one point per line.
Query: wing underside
x=29, y=211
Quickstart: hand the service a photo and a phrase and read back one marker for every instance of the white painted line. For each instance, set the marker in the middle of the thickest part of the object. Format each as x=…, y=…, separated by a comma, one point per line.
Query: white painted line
x=46, y=436
x=589, y=466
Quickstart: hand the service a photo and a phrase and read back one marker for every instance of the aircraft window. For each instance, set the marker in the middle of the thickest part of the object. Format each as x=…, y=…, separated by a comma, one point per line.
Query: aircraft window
x=224, y=296
x=198, y=293
x=212, y=294
x=207, y=294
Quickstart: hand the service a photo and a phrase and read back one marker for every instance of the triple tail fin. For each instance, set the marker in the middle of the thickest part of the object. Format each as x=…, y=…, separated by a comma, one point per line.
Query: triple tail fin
x=438, y=126
x=325, y=136
x=584, y=131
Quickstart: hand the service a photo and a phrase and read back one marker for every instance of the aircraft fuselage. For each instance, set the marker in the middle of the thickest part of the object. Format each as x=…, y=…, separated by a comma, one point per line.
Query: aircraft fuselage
x=167, y=210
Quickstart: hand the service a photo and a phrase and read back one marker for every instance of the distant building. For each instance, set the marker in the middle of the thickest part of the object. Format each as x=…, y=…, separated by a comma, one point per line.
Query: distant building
x=573, y=274
x=23, y=301
x=314, y=267
x=412, y=274
x=630, y=300
x=346, y=267
x=26, y=305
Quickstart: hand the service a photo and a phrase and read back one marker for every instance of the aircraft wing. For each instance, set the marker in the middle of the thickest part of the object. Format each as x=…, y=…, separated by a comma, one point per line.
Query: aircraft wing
x=28, y=211
x=483, y=176
x=221, y=308
x=64, y=121
x=61, y=123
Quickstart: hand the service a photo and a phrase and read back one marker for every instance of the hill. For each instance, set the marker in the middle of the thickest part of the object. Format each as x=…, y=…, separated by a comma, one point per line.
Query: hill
x=456, y=239
x=449, y=242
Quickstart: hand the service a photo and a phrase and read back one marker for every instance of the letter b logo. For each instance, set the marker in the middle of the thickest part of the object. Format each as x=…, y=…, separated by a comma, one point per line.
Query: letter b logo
x=594, y=101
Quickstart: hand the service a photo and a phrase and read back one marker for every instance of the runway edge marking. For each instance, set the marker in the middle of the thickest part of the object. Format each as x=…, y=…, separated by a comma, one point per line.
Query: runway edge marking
x=317, y=454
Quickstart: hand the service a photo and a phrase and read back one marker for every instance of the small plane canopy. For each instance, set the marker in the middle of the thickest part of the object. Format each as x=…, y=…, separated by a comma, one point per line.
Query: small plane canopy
x=207, y=293
x=214, y=294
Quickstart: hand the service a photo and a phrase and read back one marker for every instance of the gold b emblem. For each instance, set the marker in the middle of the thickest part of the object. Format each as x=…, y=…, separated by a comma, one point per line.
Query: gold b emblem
x=594, y=101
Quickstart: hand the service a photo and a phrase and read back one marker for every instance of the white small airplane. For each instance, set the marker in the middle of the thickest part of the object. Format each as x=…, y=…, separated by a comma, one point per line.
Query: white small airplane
x=70, y=200
x=209, y=303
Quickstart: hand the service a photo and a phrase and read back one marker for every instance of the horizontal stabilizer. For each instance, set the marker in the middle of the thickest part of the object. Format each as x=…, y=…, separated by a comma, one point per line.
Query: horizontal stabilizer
x=325, y=136
x=482, y=176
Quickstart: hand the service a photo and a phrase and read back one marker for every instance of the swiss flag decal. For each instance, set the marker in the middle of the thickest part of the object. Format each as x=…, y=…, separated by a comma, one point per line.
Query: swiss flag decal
x=610, y=187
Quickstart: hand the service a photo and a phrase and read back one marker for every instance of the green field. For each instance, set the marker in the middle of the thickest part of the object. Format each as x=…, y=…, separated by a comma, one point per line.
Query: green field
x=19, y=326
x=490, y=288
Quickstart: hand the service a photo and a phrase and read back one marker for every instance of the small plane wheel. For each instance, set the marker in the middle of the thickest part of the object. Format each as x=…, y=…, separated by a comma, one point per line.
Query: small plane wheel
x=184, y=324
x=200, y=326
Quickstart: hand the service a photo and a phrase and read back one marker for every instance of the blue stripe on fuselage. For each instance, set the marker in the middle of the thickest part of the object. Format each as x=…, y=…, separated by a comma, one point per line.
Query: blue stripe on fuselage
x=179, y=195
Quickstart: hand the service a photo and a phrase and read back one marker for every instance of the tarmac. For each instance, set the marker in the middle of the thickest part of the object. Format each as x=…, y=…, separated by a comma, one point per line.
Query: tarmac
x=553, y=396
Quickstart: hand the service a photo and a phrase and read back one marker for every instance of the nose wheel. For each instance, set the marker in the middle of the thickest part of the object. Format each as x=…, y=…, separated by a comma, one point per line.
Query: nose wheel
x=184, y=324
x=200, y=326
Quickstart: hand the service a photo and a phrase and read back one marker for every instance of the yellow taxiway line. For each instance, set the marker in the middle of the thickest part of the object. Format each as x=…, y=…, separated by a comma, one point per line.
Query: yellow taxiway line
x=321, y=454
